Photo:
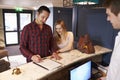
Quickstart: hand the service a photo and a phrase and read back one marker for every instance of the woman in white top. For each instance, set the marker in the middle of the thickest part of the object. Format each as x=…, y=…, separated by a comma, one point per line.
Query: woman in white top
x=64, y=39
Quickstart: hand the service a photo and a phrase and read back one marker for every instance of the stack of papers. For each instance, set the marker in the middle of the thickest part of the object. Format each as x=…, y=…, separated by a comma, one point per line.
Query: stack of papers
x=49, y=64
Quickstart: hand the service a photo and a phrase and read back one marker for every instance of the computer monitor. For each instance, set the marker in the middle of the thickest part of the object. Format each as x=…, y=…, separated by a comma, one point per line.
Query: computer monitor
x=81, y=72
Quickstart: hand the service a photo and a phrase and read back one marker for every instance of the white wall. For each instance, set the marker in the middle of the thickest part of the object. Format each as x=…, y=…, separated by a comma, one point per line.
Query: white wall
x=50, y=19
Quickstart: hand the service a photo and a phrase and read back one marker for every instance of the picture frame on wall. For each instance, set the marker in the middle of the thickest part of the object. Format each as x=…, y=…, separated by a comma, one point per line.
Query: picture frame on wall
x=67, y=3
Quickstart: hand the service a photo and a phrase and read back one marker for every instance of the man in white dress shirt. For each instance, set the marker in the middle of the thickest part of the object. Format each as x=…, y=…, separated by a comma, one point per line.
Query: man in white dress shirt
x=113, y=15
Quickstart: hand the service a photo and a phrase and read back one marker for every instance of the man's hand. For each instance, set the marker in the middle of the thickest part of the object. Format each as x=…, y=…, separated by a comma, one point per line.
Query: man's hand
x=56, y=56
x=36, y=58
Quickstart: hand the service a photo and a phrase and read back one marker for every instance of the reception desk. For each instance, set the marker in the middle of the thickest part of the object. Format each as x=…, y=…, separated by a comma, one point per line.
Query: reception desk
x=30, y=71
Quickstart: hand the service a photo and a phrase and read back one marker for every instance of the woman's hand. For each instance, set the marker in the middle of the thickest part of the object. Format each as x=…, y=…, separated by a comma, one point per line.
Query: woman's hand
x=56, y=56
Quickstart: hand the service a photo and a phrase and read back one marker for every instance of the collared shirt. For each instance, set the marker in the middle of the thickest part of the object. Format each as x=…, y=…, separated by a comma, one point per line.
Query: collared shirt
x=114, y=67
x=35, y=41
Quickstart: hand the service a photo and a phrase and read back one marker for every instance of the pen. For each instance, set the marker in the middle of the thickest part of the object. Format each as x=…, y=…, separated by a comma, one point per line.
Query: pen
x=41, y=66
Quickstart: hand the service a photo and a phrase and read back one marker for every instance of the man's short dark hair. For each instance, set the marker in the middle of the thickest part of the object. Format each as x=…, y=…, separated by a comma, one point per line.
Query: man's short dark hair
x=114, y=6
x=45, y=8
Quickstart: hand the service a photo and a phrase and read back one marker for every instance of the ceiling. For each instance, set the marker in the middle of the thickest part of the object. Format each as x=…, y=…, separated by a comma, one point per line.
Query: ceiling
x=34, y=4
x=30, y=4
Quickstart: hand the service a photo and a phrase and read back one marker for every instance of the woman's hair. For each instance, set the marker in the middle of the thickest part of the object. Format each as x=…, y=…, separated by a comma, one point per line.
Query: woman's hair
x=57, y=37
x=114, y=5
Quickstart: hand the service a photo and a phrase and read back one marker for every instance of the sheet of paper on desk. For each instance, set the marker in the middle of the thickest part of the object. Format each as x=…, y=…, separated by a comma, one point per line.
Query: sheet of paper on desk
x=50, y=64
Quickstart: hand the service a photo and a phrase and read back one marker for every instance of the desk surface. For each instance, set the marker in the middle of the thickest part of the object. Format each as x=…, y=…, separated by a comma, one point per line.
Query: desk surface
x=31, y=71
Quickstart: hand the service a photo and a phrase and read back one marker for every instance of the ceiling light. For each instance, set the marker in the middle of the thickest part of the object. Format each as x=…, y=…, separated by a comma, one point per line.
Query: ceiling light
x=86, y=2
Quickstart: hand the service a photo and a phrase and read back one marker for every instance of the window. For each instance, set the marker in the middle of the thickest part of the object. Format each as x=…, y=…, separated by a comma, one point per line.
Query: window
x=14, y=22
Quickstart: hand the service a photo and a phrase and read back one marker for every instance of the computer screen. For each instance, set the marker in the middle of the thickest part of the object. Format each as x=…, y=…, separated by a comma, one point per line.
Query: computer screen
x=82, y=72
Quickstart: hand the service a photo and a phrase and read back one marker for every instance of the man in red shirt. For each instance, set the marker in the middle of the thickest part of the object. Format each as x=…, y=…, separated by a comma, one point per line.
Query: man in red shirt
x=36, y=39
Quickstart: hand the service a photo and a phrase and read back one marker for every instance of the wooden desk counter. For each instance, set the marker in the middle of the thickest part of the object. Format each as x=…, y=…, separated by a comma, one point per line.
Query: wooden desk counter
x=30, y=71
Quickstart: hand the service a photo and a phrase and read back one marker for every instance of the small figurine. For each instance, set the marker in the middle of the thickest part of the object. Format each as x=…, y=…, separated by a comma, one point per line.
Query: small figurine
x=16, y=71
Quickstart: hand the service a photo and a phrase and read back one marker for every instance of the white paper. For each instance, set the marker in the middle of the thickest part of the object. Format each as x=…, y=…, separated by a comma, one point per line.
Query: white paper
x=49, y=64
